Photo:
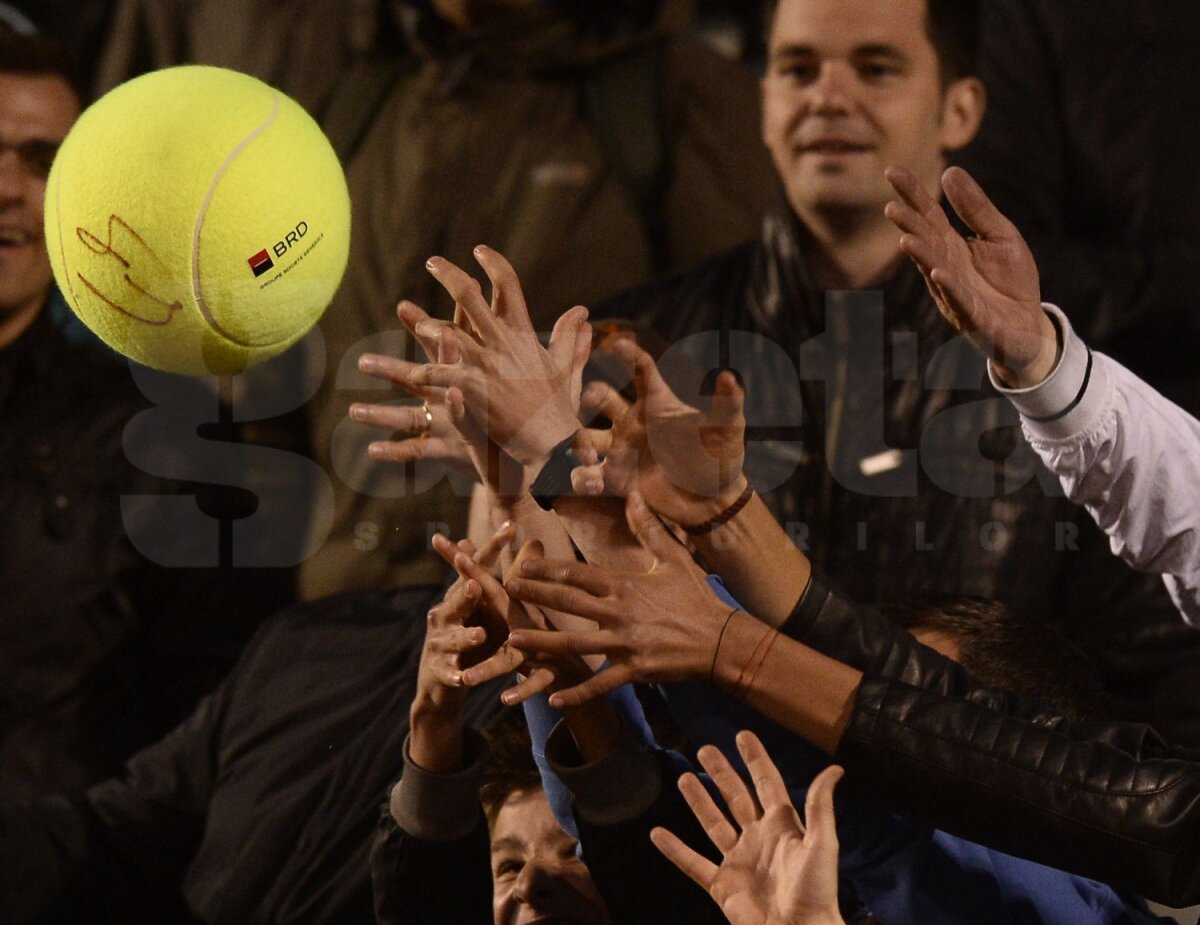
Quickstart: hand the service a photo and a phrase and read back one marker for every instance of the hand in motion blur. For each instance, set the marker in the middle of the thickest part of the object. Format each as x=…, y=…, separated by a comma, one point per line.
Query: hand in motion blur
x=775, y=870
x=986, y=286
x=686, y=463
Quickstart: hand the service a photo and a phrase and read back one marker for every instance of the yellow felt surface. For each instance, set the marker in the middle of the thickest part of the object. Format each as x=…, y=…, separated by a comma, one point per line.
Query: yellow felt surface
x=161, y=194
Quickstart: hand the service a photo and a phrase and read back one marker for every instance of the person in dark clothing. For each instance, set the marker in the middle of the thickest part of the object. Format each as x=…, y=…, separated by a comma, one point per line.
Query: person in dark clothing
x=873, y=434
x=261, y=807
x=101, y=649
x=461, y=797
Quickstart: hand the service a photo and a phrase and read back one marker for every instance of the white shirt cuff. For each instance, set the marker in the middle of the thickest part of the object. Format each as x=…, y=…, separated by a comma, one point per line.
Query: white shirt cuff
x=1068, y=400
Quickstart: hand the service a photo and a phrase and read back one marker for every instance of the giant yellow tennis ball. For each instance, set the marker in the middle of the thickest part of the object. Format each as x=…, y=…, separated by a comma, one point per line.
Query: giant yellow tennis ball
x=197, y=220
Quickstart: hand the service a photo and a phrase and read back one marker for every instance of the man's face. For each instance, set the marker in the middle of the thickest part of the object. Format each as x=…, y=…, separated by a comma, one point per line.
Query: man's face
x=851, y=86
x=536, y=875
x=36, y=113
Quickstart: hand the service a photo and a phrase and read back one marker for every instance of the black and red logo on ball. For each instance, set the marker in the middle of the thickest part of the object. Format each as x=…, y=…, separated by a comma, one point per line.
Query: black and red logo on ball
x=261, y=262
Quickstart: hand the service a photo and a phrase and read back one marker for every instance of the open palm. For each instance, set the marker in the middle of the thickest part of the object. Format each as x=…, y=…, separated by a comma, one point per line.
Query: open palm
x=986, y=286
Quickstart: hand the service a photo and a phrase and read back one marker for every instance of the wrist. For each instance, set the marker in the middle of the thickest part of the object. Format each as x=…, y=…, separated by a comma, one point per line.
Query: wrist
x=1042, y=365
x=711, y=513
x=434, y=709
x=551, y=431
x=741, y=643
x=436, y=747
x=553, y=479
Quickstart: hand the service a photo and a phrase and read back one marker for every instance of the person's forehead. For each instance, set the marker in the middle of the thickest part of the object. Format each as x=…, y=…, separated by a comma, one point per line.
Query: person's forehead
x=36, y=106
x=525, y=819
x=838, y=27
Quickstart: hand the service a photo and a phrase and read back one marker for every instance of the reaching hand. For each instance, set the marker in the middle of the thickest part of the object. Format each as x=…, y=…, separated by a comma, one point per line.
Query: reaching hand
x=440, y=428
x=660, y=625
x=451, y=641
x=986, y=286
x=524, y=396
x=428, y=431
x=687, y=464
x=774, y=871
x=541, y=673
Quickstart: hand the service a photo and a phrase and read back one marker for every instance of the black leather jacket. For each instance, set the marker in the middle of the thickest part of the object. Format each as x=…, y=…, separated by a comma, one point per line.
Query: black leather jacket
x=877, y=441
x=1106, y=800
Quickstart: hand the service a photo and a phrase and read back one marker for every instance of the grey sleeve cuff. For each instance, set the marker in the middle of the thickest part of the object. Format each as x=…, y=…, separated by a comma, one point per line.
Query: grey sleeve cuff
x=1070, y=399
x=616, y=788
x=440, y=807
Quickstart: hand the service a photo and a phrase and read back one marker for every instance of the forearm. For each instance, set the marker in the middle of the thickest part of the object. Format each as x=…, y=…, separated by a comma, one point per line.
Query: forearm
x=759, y=563
x=1128, y=455
x=436, y=733
x=790, y=683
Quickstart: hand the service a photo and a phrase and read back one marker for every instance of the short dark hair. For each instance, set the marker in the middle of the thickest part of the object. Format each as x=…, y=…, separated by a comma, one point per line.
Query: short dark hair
x=508, y=766
x=954, y=29
x=1008, y=650
x=40, y=55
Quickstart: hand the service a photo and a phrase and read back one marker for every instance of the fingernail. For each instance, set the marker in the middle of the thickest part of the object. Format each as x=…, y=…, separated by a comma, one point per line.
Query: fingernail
x=467, y=678
x=433, y=263
x=479, y=249
x=456, y=679
x=512, y=586
x=375, y=450
x=357, y=412
x=368, y=364
x=508, y=698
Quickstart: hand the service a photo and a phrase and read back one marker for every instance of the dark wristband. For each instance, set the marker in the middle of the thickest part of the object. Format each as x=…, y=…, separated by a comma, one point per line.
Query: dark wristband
x=554, y=480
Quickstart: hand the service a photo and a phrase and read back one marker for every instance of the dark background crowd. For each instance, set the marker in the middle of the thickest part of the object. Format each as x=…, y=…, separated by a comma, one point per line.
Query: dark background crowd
x=620, y=156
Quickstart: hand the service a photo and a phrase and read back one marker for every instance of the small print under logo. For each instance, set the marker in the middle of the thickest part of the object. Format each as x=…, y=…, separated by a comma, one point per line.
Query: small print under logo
x=261, y=262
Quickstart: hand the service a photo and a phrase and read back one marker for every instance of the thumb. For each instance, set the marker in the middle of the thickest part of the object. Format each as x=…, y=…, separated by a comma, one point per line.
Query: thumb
x=728, y=403
x=565, y=337
x=819, y=818
x=646, y=378
x=649, y=530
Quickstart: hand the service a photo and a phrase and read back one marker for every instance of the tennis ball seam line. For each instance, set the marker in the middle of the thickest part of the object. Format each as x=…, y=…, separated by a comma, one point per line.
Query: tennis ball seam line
x=197, y=290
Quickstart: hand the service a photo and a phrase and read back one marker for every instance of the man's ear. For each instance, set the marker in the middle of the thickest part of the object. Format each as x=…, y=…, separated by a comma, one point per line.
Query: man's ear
x=962, y=112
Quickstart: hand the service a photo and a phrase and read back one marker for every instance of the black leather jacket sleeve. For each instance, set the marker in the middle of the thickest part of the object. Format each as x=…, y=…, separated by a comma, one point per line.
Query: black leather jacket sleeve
x=1107, y=800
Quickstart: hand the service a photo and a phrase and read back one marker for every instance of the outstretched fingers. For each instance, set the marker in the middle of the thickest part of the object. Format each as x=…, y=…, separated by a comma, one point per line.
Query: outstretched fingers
x=539, y=681
x=640, y=365
x=699, y=868
x=728, y=402
x=504, y=660
x=819, y=817
x=507, y=298
x=974, y=207
x=915, y=196
x=768, y=782
x=397, y=372
x=737, y=796
x=591, y=579
x=716, y=825
x=467, y=295
x=411, y=420
x=564, y=342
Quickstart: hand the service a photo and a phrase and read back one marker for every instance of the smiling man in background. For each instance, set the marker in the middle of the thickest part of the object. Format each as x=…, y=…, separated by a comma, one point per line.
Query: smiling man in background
x=873, y=435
